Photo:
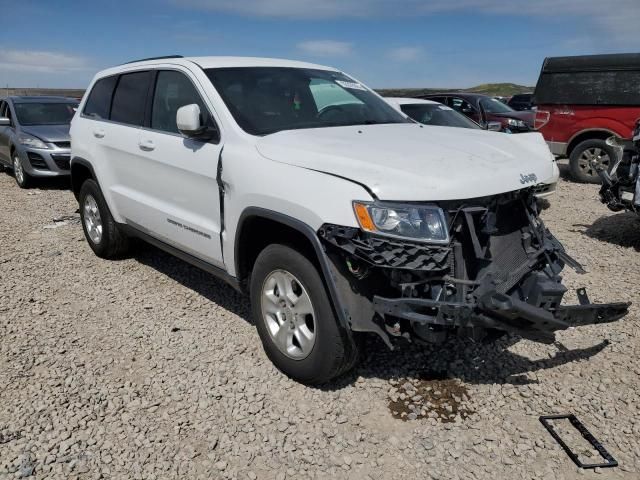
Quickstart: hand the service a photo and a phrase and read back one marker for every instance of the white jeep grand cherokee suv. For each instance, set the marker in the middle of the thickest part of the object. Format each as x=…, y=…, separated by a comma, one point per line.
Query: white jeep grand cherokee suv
x=301, y=186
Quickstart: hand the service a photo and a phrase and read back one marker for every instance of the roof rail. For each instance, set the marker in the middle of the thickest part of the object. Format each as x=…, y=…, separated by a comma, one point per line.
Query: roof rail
x=154, y=58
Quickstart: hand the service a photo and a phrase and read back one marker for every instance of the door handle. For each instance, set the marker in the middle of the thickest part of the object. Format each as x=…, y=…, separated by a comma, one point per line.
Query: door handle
x=146, y=145
x=98, y=133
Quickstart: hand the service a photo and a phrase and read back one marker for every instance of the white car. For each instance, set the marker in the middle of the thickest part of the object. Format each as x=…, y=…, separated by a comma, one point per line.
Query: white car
x=433, y=113
x=428, y=112
x=337, y=215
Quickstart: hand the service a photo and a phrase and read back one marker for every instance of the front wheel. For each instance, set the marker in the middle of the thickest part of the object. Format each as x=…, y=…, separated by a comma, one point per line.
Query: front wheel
x=295, y=320
x=587, y=157
x=23, y=179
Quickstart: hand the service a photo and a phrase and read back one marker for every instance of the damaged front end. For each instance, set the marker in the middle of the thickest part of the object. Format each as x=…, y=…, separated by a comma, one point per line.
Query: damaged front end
x=498, y=272
x=621, y=186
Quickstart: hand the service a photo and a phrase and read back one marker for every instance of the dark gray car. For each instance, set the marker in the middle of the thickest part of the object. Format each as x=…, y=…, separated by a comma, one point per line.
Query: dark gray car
x=34, y=136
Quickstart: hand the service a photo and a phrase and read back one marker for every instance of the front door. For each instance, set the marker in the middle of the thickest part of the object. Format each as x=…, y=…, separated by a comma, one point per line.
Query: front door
x=179, y=198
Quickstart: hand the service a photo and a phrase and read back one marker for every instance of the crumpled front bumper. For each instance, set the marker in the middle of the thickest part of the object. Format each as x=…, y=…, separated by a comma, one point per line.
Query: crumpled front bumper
x=500, y=273
x=498, y=311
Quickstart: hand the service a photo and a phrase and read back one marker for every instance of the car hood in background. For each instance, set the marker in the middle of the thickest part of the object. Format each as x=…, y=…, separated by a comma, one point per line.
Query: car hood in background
x=412, y=163
x=527, y=116
x=48, y=133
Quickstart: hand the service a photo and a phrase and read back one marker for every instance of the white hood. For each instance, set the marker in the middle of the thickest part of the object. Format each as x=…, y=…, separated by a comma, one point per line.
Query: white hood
x=409, y=162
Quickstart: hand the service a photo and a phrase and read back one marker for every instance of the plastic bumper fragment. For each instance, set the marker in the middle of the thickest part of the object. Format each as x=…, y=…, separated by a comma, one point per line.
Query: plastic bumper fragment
x=501, y=312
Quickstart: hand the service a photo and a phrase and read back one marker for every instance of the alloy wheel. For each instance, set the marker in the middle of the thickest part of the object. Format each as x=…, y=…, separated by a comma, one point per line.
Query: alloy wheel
x=92, y=219
x=592, y=158
x=288, y=314
x=17, y=169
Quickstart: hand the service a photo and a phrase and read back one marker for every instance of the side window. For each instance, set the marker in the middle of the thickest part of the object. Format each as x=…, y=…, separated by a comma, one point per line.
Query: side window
x=129, y=99
x=99, y=101
x=8, y=113
x=461, y=105
x=174, y=90
x=5, y=110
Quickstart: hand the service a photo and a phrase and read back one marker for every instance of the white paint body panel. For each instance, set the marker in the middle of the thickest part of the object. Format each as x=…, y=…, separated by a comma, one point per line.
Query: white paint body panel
x=412, y=162
x=310, y=175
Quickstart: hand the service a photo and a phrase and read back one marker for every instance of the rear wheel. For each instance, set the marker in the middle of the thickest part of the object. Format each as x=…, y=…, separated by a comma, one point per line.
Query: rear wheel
x=103, y=234
x=587, y=157
x=295, y=320
x=23, y=179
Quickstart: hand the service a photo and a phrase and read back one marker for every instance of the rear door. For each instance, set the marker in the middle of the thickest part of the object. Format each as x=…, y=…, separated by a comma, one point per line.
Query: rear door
x=122, y=167
x=177, y=197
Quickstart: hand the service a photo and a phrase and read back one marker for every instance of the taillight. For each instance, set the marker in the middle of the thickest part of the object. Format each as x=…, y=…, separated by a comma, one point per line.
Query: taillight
x=542, y=118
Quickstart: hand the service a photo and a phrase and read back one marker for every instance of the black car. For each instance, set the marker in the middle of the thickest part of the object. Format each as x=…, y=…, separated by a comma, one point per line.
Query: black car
x=521, y=102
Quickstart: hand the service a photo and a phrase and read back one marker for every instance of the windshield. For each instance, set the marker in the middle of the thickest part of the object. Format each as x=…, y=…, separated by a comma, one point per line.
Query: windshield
x=491, y=105
x=441, y=115
x=265, y=100
x=45, y=113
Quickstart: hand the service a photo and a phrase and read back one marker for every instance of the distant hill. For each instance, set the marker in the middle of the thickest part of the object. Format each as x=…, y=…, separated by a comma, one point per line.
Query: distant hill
x=62, y=92
x=493, y=89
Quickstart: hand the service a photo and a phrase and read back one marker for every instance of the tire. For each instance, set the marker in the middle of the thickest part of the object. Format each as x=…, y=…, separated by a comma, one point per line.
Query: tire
x=105, y=237
x=333, y=350
x=579, y=160
x=23, y=179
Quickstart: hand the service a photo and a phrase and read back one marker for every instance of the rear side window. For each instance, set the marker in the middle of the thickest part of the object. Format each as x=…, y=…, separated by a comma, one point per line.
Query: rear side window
x=130, y=98
x=174, y=90
x=99, y=100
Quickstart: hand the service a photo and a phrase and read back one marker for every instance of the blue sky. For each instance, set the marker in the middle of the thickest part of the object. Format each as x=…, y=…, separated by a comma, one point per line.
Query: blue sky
x=385, y=43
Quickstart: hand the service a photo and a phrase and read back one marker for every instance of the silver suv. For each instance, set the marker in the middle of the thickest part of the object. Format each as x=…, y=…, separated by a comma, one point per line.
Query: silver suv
x=34, y=136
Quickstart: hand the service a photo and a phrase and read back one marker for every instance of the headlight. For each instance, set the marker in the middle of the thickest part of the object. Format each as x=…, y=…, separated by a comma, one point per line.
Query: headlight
x=31, y=141
x=512, y=122
x=424, y=223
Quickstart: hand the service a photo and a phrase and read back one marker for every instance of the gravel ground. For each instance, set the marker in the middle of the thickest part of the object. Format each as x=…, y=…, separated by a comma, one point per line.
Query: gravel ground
x=149, y=368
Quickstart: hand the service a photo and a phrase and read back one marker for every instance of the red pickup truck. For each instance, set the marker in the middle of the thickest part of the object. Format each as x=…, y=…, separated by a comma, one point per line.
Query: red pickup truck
x=581, y=101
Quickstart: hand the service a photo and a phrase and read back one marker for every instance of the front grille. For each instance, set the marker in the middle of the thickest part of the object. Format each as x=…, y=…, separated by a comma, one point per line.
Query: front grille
x=37, y=161
x=62, y=144
x=62, y=161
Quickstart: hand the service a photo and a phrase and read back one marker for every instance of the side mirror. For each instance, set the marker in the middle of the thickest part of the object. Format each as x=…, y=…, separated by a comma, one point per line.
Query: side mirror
x=5, y=122
x=494, y=126
x=188, y=121
x=189, y=125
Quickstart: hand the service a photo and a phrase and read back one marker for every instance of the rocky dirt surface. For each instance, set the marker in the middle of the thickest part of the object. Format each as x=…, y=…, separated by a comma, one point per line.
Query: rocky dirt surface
x=148, y=368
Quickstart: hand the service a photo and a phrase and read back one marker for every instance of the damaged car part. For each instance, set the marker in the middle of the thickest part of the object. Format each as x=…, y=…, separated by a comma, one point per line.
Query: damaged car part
x=621, y=187
x=498, y=273
x=547, y=421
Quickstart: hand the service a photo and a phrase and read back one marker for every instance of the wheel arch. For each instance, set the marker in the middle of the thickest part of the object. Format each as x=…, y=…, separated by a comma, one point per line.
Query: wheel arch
x=259, y=227
x=81, y=170
x=590, y=134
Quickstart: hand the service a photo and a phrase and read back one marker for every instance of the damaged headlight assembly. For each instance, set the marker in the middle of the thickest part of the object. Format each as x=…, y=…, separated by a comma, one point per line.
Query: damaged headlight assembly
x=478, y=268
x=420, y=223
